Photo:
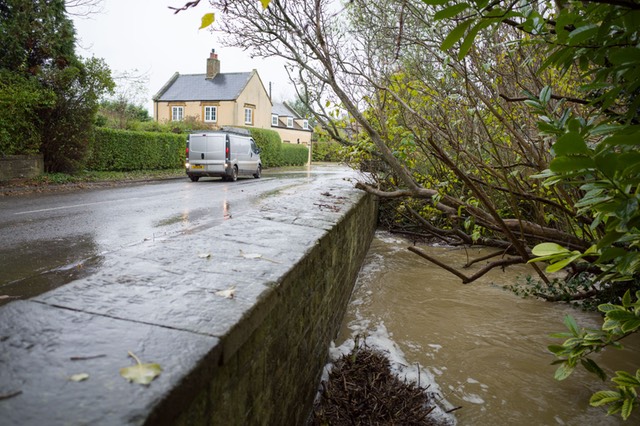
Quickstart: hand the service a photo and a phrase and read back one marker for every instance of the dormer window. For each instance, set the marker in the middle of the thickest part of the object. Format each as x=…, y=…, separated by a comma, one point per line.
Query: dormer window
x=290, y=122
x=305, y=124
x=274, y=119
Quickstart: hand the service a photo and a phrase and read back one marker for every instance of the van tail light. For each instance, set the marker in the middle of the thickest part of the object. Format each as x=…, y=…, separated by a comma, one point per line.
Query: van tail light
x=187, y=152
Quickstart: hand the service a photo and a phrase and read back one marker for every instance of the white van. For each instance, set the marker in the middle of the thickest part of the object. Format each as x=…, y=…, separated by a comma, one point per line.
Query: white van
x=228, y=153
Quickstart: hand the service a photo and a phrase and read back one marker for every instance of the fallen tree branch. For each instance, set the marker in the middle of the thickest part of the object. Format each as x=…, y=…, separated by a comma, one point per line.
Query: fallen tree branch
x=467, y=279
x=480, y=259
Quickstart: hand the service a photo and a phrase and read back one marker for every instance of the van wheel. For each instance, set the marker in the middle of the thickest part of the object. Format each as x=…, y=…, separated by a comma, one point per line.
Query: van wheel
x=234, y=174
x=258, y=172
x=194, y=178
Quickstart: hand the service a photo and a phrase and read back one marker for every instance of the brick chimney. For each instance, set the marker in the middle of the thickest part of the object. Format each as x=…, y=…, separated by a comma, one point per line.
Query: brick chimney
x=213, y=65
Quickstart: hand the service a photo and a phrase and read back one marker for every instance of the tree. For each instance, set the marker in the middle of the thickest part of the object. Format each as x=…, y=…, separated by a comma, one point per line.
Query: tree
x=37, y=42
x=597, y=151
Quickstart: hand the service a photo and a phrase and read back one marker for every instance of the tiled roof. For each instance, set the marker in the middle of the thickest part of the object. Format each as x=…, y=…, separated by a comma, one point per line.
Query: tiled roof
x=283, y=110
x=195, y=87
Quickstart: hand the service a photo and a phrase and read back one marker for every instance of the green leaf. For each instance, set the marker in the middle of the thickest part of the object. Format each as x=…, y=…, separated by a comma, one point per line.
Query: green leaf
x=604, y=397
x=571, y=164
x=571, y=324
x=556, y=266
x=581, y=34
x=563, y=371
x=591, y=366
x=451, y=11
x=570, y=143
x=545, y=94
x=625, y=379
x=140, y=373
x=626, y=299
x=547, y=249
x=455, y=35
x=631, y=325
x=627, y=408
x=207, y=19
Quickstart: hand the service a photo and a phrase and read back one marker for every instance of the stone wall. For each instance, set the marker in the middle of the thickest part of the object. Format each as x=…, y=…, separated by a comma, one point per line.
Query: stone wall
x=21, y=166
x=254, y=358
x=273, y=377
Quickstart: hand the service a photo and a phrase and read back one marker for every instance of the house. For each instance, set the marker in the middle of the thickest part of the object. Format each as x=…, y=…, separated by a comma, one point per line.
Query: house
x=227, y=99
x=215, y=98
x=291, y=127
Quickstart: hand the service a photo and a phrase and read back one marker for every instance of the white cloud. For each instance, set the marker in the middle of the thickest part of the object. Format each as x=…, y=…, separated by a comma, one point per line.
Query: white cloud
x=146, y=35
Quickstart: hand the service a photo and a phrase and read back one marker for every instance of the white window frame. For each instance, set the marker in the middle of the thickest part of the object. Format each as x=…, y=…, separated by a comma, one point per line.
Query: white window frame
x=274, y=119
x=305, y=124
x=248, y=116
x=289, y=121
x=211, y=114
x=177, y=113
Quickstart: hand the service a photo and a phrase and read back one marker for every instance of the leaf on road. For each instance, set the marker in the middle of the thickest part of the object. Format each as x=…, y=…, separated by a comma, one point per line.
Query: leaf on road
x=228, y=293
x=140, y=373
x=204, y=255
x=79, y=377
x=255, y=256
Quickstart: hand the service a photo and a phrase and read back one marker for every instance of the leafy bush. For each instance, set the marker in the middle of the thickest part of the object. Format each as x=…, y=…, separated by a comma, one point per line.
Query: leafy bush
x=270, y=146
x=327, y=151
x=21, y=98
x=119, y=150
x=294, y=155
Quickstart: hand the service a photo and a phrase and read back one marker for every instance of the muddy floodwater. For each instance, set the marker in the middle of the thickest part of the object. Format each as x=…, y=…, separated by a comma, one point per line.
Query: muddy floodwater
x=482, y=347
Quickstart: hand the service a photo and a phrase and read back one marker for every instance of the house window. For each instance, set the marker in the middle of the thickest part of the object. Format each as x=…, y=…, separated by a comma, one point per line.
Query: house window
x=211, y=114
x=177, y=113
x=289, y=122
x=274, y=119
x=248, y=116
x=305, y=124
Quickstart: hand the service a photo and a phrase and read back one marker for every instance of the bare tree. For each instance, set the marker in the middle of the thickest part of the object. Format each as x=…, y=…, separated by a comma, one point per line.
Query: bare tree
x=472, y=152
x=84, y=8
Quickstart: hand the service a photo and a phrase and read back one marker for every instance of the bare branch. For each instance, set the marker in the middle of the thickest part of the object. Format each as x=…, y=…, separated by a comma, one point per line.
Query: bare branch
x=467, y=279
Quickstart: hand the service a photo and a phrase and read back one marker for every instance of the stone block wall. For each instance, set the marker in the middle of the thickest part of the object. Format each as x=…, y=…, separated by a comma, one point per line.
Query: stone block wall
x=273, y=377
x=21, y=166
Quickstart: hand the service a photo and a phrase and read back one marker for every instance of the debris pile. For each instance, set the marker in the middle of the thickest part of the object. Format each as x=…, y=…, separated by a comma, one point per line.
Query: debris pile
x=362, y=390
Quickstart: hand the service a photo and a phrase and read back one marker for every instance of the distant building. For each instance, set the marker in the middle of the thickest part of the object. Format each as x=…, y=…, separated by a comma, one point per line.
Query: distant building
x=291, y=127
x=227, y=99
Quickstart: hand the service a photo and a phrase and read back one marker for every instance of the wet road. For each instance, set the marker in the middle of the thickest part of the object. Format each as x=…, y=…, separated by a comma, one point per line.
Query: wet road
x=47, y=240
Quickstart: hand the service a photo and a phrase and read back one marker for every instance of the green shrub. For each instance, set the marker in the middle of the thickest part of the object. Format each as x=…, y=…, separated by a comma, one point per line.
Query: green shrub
x=20, y=127
x=327, y=151
x=270, y=146
x=120, y=150
x=294, y=155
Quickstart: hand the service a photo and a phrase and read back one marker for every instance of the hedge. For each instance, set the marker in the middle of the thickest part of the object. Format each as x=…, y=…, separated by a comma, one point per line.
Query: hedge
x=124, y=150
x=270, y=146
x=294, y=155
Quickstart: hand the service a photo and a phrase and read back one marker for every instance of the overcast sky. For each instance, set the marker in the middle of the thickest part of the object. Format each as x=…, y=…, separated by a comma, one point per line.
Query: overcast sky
x=146, y=35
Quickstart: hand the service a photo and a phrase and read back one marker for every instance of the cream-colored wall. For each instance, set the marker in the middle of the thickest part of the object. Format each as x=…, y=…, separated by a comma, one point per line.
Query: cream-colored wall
x=254, y=94
x=292, y=135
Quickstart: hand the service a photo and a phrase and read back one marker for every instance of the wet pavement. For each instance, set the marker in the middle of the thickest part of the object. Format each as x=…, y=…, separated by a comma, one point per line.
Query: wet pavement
x=48, y=240
x=166, y=271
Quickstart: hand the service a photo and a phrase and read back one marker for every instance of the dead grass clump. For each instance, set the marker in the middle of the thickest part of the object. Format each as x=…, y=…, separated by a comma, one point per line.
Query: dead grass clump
x=362, y=390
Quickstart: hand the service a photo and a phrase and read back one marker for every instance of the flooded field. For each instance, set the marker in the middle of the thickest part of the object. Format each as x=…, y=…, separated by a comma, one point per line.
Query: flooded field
x=482, y=347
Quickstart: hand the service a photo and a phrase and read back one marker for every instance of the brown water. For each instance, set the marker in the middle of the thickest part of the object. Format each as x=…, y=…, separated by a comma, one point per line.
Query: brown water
x=484, y=347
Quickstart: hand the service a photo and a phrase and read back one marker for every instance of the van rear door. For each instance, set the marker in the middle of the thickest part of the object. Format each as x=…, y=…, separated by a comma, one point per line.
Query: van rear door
x=207, y=152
